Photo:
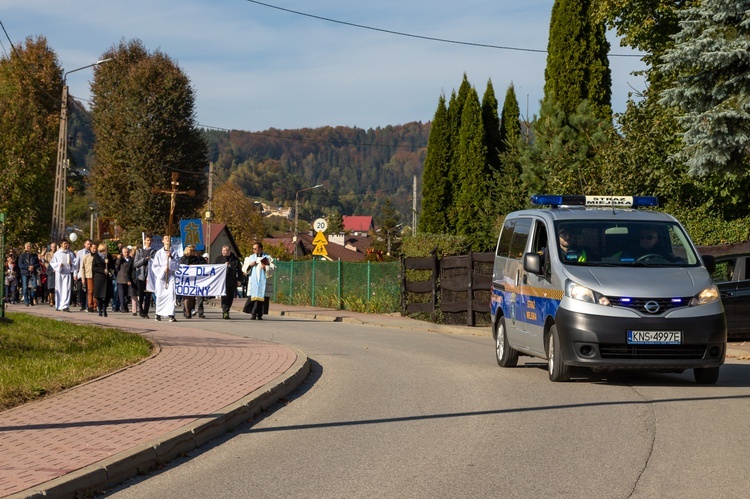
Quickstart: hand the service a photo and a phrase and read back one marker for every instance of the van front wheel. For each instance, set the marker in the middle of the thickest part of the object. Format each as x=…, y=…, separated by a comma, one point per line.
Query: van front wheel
x=506, y=355
x=706, y=375
x=558, y=371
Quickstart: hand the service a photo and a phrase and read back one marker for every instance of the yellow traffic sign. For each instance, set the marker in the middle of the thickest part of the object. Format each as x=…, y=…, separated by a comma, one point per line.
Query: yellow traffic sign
x=320, y=238
x=320, y=249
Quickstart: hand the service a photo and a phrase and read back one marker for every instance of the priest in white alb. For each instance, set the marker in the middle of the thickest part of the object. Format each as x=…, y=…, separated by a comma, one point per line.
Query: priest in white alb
x=65, y=266
x=164, y=264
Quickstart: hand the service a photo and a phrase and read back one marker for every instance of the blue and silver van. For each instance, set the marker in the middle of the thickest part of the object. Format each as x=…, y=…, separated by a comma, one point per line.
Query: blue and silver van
x=593, y=281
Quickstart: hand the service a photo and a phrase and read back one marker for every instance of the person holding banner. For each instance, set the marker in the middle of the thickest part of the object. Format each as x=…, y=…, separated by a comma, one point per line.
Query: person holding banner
x=256, y=265
x=164, y=265
x=189, y=258
x=233, y=266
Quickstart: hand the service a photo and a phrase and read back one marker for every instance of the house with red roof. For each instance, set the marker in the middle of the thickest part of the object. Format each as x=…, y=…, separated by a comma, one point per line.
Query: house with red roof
x=358, y=225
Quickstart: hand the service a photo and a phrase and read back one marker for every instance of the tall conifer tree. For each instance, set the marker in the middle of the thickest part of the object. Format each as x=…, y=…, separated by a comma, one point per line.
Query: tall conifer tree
x=577, y=64
x=508, y=192
x=436, y=192
x=492, y=140
x=473, y=177
x=455, y=114
x=712, y=89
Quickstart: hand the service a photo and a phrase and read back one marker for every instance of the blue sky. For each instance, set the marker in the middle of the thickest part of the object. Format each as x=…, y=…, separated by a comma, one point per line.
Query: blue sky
x=255, y=67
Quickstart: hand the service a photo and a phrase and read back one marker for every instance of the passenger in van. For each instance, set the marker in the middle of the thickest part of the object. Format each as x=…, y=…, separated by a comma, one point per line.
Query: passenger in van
x=569, y=252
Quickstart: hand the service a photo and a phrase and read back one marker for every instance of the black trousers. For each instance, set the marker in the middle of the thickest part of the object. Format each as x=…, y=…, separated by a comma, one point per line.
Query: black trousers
x=228, y=299
x=123, y=296
x=144, y=298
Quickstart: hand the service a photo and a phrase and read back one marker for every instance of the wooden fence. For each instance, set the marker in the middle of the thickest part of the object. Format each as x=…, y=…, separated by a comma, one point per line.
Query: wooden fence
x=458, y=286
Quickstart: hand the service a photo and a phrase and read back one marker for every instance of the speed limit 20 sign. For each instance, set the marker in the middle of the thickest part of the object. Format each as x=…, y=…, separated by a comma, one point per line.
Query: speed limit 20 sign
x=320, y=225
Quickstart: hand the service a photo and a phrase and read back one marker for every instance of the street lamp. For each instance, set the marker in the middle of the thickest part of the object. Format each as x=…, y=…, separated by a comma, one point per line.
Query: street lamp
x=296, y=213
x=92, y=210
x=61, y=180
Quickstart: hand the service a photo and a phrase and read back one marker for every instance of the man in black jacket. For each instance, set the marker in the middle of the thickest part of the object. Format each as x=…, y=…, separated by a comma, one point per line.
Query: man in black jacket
x=233, y=266
x=142, y=259
x=125, y=272
x=28, y=264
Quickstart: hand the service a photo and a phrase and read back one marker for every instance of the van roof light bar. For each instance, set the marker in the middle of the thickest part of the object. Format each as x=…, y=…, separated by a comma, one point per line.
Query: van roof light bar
x=597, y=201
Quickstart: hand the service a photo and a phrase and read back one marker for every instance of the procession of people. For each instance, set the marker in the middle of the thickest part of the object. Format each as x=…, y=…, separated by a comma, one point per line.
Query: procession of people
x=135, y=279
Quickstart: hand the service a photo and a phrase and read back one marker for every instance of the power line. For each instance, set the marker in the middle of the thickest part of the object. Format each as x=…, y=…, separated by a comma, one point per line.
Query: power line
x=411, y=35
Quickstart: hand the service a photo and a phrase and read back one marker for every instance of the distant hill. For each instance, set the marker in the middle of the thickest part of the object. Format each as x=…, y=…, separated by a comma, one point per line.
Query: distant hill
x=359, y=168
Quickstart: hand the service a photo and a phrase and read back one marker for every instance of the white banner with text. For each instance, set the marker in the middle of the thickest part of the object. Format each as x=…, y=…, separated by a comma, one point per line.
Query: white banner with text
x=201, y=280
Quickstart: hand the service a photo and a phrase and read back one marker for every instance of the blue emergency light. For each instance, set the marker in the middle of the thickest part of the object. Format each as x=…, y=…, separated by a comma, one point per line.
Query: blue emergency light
x=595, y=201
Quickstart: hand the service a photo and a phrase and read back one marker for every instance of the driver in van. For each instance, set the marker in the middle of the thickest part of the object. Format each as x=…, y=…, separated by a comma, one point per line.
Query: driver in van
x=570, y=253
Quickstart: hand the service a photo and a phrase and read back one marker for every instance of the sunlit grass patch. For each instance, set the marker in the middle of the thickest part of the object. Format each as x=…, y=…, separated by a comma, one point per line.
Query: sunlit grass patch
x=40, y=356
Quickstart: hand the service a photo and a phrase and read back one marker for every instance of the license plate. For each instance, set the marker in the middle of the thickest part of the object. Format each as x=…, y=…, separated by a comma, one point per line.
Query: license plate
x=654, y=337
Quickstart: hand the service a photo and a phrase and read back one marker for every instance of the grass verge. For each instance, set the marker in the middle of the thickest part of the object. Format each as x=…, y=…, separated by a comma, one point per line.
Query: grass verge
x=41, y=356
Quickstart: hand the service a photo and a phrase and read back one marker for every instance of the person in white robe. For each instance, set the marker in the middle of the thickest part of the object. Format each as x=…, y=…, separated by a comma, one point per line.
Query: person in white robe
x=163, y=267
x=256, y=267
x=65, y=266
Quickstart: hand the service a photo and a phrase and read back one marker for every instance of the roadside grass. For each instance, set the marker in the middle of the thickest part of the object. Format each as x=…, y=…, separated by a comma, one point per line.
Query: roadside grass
x=41, y=356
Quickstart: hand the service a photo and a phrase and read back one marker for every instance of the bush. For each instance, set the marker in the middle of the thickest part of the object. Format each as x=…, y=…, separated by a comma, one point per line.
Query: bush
x=422, y=245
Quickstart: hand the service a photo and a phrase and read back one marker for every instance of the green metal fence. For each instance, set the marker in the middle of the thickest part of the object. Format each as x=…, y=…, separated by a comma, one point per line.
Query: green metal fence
x=362, y=287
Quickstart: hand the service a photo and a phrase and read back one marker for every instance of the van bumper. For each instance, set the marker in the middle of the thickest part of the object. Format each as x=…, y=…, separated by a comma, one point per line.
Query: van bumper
x=600, y=342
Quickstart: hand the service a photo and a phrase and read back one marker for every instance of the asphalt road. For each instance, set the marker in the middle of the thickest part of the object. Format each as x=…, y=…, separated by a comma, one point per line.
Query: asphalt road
x=394, y=413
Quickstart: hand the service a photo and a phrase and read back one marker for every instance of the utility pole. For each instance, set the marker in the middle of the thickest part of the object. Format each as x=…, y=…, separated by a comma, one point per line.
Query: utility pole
x=209, y=213
x=173, y=193
x=414, y=209
x=61, y=175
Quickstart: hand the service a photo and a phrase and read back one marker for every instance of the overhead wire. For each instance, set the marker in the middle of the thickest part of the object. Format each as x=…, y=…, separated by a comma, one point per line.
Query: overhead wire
x=411, y=35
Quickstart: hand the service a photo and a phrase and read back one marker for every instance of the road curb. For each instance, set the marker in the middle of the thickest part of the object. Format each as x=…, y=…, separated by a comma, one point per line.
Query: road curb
x=145, y=457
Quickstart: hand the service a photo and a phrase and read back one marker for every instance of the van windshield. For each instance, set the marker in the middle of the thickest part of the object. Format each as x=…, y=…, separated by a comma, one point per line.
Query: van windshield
x=623, y=243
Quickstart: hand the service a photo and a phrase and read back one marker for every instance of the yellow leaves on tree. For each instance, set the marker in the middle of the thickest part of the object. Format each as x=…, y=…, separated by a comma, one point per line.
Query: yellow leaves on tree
x=240, y=213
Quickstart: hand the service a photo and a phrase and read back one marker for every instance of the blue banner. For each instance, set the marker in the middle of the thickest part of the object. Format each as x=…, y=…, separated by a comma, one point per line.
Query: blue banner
x=191, y=232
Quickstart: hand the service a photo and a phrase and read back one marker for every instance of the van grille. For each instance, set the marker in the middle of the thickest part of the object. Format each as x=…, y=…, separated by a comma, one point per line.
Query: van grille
x=665, y=304
x=657, y=352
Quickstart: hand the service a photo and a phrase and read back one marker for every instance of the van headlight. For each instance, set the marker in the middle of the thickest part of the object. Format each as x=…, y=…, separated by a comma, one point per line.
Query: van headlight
x=708, y=295
x=582, y=293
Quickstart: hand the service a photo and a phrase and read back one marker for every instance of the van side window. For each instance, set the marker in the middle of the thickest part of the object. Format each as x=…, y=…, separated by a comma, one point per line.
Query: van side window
x=539, y=244
x=520, y=237
x=503, y=246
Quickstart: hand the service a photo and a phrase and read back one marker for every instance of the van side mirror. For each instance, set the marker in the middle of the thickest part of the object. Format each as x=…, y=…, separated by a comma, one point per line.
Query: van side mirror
x=710, y=262
x=532, y=262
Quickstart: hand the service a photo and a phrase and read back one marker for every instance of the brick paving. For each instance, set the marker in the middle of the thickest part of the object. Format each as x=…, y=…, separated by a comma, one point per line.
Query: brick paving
x=193, y=375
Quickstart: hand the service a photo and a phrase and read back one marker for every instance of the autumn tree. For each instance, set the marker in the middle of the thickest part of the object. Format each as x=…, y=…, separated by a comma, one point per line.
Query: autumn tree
x=387, y=229
x=240, y=213
x=30, y=86
x=144, y=122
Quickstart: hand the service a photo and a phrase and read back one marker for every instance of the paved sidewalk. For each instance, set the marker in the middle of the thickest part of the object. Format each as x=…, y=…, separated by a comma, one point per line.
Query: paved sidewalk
x=197, y=385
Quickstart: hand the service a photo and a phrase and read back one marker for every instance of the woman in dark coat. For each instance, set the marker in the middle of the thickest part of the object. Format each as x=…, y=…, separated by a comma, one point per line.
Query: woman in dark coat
x=103, y=267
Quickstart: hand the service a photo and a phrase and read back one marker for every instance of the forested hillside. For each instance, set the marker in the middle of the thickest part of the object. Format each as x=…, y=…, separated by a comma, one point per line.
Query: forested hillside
x=360, y=169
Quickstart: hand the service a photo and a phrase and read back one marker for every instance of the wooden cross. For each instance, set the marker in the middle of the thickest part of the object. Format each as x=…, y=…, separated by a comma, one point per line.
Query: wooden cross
x=174, y=192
